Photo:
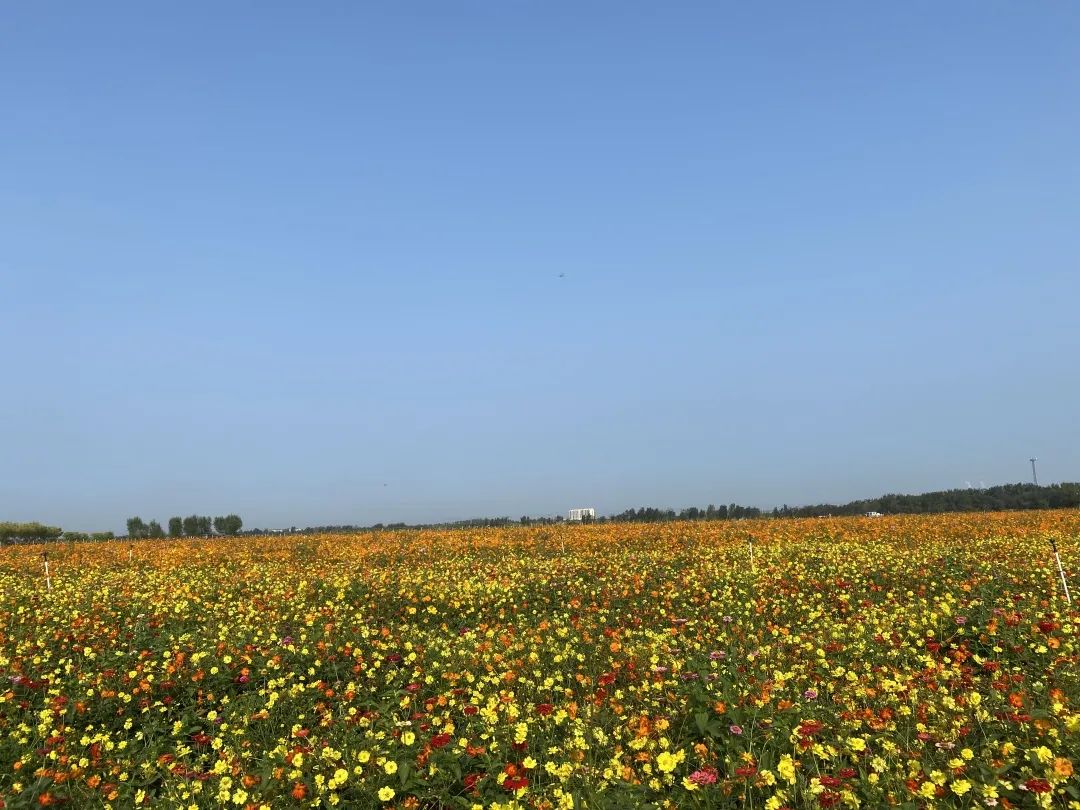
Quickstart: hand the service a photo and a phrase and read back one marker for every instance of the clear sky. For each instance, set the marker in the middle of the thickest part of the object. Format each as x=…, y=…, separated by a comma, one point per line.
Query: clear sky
x=357, y=262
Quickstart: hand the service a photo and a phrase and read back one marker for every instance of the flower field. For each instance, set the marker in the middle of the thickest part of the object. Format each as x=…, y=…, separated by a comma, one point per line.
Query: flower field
x=908, y=661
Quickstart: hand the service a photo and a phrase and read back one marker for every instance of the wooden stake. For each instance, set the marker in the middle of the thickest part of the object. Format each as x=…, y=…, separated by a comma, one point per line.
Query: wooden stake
x=48, y=579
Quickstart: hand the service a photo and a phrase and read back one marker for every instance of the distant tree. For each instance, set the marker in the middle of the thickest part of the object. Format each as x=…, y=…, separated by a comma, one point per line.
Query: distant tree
x=154, y=530
x=232, y=524
x=524, y=520
x=30, y=532
x=176, y=527
x=102, y=536
x=206, y=525
x=192, y=525
x=136, y=528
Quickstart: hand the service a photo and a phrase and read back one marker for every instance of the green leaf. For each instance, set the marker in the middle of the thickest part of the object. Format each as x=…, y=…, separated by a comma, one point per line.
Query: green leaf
x=702, y=721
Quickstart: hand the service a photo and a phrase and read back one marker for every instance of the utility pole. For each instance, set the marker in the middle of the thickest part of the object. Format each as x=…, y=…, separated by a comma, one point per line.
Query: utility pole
x=1034, y=475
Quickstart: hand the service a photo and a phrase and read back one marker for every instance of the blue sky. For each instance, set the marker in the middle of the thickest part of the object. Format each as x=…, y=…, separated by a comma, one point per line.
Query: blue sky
x=406, y=261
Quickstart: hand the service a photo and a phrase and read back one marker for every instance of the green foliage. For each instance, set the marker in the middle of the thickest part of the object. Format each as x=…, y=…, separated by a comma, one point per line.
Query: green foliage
x=197, y=526
x=136, y=529
x=28, y=532
x=176, y=527
x=988, y=499
x=229, y=524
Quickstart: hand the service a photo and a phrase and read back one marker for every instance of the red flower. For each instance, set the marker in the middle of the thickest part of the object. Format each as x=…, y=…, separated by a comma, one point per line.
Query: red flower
x=471, y=779
x=607, y=678
x=470, y=711
x=513, y=783
x=440, y=740
x=544, y=709
x=810, y=727
x=1037, y=785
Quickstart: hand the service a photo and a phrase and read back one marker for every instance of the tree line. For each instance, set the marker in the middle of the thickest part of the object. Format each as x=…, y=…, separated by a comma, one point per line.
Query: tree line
x=28, y=532
x=190, y=526
x=988, y=499
x=35, y=532
x=651, y=514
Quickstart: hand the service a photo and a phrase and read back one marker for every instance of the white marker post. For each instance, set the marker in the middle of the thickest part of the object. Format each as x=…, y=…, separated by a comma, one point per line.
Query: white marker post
x=48, y=579
x=751, y=537
x=1061, y=571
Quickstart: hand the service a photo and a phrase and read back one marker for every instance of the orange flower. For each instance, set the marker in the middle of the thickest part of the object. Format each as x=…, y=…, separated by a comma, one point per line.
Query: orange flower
x=1063, y=767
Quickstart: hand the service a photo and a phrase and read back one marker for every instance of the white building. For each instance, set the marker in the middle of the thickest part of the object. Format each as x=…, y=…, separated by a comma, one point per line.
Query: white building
x=581, y=514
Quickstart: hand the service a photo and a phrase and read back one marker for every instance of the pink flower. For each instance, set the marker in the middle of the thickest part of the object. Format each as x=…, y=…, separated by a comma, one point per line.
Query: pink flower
x=706, y=776
x=736, y=730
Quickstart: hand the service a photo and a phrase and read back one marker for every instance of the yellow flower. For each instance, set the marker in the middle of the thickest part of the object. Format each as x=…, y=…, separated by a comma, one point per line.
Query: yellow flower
x=666, y=762
x=390, y=767
x=960, y=787
x=786, y=768
x=386, y=794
